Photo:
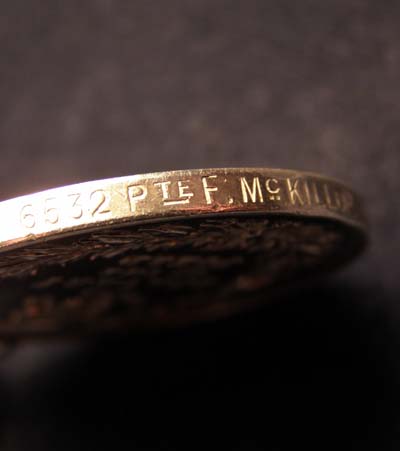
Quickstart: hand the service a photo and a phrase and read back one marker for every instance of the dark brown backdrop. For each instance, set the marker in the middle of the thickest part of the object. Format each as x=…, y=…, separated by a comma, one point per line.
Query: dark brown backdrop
x=92, y=89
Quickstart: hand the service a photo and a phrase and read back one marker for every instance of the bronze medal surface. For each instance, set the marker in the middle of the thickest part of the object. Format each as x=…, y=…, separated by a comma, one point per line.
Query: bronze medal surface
x=167, y=248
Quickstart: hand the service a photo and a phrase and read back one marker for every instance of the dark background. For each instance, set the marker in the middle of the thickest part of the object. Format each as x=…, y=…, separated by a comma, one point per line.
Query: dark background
x=92, y=89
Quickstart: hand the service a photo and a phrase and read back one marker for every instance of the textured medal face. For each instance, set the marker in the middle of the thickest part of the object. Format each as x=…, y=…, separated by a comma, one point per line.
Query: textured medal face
x=168, y=248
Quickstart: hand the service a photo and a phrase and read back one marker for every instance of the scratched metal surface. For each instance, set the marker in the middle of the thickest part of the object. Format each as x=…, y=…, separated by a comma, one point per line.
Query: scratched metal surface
x=97, y=89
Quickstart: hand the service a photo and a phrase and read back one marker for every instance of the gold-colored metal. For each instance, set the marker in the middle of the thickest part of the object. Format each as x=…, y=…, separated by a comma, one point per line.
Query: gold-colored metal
x=174, y=194
x=166, y=248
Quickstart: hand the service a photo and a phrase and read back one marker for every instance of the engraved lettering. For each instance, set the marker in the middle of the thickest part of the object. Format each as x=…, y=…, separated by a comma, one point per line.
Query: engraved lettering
x=102, y=200
x=183, y=195
x=347, y=201
x=28, y=219
x=50, y=212
x=207, y=188
x=164, y=189
x=272, y=187
x=252, y=192
x=327, y=196
x=315, y=193
x=338, y=201
x=136, y=193
x=307, y=191
x=182, y=190
x=294, y=194
x=76, y=209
